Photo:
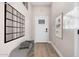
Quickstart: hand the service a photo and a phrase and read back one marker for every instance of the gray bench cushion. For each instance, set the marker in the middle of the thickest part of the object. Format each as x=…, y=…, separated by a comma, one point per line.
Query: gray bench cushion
x=24, y=45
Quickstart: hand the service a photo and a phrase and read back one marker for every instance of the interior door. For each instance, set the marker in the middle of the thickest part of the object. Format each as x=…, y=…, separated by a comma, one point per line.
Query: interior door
x=41, y=29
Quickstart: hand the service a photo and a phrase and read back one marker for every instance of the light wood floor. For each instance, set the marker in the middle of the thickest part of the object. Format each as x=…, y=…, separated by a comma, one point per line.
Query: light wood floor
x=44, y=50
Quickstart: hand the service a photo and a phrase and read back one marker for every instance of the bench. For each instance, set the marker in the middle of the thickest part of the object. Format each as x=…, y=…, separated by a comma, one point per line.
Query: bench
x=23, y=50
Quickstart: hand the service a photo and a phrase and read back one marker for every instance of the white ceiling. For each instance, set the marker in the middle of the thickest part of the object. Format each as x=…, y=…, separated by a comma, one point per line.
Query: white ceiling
x=41, y=3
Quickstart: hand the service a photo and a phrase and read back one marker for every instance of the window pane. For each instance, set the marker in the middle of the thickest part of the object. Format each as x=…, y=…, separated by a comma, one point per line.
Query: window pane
x=19, y=15
x=19, y=20
x=23, y=17
x=22, y=25
x=8, y=22
x=17, y=35
x=23, y=21
x=14, y=36
x=8, y=37
x=18, y=24
x=14, y=24
x=14, y=18
x=23, y=29
x=9, y=8
x=8, y=15
x=8, y=30
x=14, y=30
x=18, y=29
x=23, y=33
x=14, y=12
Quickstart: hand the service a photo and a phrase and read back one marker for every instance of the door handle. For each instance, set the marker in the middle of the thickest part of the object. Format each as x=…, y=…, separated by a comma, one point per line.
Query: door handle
x=46, y=30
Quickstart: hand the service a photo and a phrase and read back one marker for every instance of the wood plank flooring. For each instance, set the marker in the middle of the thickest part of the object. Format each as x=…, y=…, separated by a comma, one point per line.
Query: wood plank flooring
x=44, y=50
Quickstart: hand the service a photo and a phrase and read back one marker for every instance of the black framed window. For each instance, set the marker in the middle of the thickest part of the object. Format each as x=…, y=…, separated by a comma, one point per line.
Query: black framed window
x=14, y=23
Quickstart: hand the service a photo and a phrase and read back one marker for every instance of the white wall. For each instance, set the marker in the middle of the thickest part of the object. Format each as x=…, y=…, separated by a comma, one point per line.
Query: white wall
x=76, y=29
x=39, y=10
x=30, y=20
x=65, y=46
x=6, y=48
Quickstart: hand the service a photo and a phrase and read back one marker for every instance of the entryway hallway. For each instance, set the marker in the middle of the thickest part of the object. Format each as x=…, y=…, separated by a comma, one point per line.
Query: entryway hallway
x=39, y=29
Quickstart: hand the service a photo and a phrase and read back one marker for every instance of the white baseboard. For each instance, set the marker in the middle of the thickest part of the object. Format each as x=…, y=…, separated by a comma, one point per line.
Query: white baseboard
x=59, y=53
x=41, y=41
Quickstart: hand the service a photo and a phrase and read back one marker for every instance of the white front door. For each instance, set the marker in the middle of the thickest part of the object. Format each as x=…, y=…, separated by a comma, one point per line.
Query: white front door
x=41, y=29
